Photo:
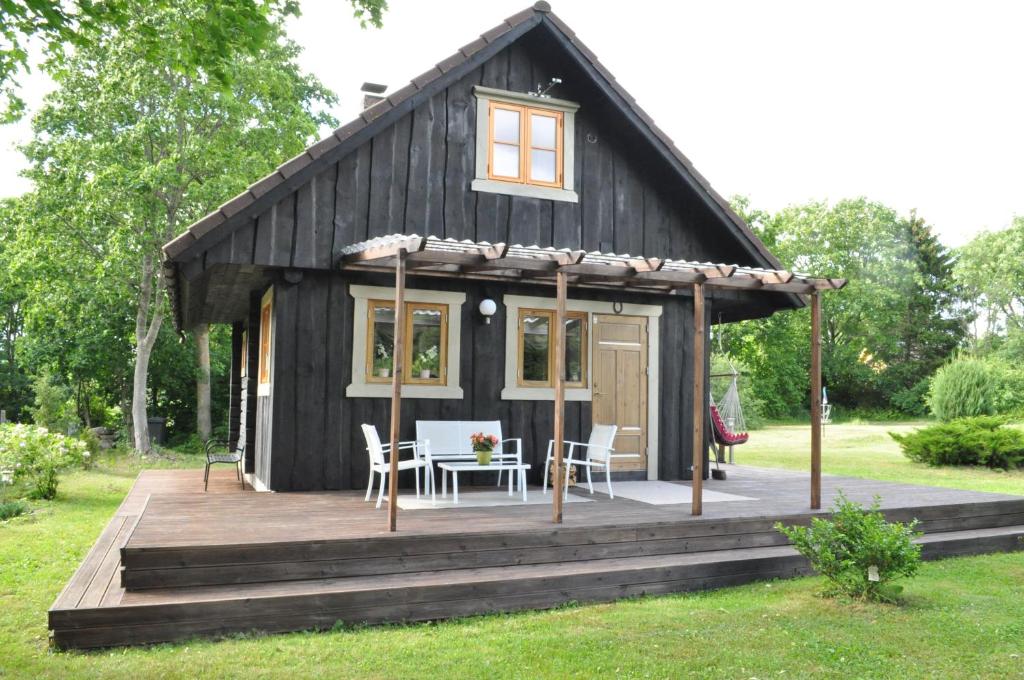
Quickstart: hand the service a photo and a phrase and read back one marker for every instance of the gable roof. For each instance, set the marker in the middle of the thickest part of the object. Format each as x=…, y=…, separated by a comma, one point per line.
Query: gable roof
x=293, y=173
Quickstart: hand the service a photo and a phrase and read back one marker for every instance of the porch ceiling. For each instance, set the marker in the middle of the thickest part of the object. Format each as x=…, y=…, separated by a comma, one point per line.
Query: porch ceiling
x=482, y=260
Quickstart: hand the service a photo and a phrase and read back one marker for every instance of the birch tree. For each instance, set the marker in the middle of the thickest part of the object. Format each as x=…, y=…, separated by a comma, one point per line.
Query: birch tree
x=129, y=150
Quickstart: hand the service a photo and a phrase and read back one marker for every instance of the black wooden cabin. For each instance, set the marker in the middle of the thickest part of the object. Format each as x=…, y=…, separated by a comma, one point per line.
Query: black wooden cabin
x=471, y=150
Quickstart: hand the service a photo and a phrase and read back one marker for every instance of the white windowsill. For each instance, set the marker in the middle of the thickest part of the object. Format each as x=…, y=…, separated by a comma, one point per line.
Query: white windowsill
x=544, y=394
x=408, y=391
x=493, y=186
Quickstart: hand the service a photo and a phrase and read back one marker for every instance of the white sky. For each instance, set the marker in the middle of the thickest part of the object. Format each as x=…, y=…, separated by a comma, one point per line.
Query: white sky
x=912, y=103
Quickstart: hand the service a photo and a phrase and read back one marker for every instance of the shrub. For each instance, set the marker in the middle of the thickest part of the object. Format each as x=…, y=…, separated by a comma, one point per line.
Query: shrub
x=37, y=456
x=12, y=509
x=858, y=551
x=963, y=388
x=967, y=441
x=54, y=409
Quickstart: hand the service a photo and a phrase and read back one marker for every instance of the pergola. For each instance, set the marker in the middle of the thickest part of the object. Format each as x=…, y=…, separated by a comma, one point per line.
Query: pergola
x=432, y=256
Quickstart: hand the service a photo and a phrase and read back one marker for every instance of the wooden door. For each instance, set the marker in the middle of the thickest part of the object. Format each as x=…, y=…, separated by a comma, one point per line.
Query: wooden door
x=620, y=384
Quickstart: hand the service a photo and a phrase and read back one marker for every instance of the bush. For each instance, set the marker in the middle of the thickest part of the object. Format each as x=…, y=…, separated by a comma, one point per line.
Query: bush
x=967, y=441
x=54, y=409
x=963, y=388
x=912, y=401
x=37, y=455
x=858, y=551
x=12, y=509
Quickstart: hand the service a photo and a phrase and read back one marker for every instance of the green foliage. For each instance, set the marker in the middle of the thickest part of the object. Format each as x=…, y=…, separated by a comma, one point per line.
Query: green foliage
x=991, y=269
x=11, y=509
x=53, y=408
x=211, y=43
x=981, y=440
x=858, y=551
x=37, y=456
x=126, y=151
x=895, y=322
x=963, y=388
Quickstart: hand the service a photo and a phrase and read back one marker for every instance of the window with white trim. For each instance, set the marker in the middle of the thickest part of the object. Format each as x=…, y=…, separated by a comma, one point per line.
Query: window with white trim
x=432, y=326
x=524, y=145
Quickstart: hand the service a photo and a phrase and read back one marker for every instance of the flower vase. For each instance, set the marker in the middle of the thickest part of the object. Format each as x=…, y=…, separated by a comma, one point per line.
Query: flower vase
x=484, y=457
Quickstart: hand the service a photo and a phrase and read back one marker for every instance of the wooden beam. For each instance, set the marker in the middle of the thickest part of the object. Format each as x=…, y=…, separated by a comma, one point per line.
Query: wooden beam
x=561, y=284
x=396, y=387
x=741, y=281
x=815, y=401
x=697, y=486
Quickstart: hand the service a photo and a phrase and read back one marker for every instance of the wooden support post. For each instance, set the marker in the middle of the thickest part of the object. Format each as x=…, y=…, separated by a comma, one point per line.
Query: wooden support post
x=697, y=502
x=397, y=369
x=559, y=338
x=815, y=401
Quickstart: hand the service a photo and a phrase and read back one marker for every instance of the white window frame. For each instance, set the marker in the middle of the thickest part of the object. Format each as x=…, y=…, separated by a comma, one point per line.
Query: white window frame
x=486, y=95
x=361, y=388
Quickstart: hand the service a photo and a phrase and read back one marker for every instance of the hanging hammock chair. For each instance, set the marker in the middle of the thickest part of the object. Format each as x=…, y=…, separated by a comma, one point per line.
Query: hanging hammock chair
x=727, y=415
x=727, y=425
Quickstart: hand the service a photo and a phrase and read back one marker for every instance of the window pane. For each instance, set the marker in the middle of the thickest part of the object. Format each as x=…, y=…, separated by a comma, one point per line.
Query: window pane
x=574, y=350
x=535, y=348
x=506, y=160
x=542, y=166
x=542, y=131
x=426, y=344
x=383, y=340
x=506, y=126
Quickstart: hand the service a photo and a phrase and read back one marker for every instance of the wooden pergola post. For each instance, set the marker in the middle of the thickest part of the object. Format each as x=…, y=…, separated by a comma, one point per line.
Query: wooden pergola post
x=815, y=400
x=559, y=434
x=398, y=353
x=697, y=502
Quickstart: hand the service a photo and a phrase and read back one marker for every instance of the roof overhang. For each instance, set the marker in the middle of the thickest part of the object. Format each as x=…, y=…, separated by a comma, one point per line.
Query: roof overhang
x=429, y=255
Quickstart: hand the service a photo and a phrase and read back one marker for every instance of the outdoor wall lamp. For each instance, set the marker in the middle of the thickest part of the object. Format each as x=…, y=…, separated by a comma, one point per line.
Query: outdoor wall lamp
x=487, y=308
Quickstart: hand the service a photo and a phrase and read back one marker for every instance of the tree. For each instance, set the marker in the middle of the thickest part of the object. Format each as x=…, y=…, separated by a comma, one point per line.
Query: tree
x=935, y=319
x=129, y=150
x=14, y=382
x=991, y=269
x=883, y=334
x=208, y=43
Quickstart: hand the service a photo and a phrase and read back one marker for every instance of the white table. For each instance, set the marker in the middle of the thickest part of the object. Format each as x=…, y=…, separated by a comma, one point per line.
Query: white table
x=456, y=468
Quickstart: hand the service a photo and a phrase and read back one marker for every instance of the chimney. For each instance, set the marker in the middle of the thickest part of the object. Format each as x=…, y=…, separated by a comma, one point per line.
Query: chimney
x=372, y=93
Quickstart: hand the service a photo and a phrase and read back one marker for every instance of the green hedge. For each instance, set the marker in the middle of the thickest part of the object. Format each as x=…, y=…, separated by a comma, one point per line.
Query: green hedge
x=981, y=440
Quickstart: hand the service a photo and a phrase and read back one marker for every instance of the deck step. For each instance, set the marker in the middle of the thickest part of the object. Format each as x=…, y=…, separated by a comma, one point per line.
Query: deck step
x=151, y=567
x=178, y=613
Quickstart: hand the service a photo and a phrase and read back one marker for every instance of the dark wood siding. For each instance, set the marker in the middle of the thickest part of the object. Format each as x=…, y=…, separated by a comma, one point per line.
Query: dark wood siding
x=415, y=178
x=314, y=427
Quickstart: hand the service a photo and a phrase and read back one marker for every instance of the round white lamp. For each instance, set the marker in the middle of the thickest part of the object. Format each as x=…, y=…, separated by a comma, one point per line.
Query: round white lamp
x=487, y=308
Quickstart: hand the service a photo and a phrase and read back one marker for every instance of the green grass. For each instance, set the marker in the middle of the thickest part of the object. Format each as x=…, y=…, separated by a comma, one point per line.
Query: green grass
x=866, y=450
x=961, y=618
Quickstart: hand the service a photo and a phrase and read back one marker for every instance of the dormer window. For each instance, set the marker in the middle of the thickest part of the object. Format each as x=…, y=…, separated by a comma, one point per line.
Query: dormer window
x=524, y=145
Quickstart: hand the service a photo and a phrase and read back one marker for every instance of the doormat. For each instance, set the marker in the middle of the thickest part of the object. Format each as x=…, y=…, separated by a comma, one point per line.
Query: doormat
x=664, y=493
x=481, y=499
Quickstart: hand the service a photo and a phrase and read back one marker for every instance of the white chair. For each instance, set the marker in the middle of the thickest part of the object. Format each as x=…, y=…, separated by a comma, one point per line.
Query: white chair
x=379, y=464
x=599, y=454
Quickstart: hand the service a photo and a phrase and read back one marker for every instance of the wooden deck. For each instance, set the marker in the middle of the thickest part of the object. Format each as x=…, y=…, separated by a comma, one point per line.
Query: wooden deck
x=175, y=562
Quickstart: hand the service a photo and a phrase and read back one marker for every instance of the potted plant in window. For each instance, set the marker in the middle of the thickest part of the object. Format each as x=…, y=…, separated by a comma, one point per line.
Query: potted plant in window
x=381, y=361
x=423, y=362
x=483, y=446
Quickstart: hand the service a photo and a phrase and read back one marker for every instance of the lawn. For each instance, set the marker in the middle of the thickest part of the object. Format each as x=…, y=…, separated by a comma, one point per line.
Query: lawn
x=866, y=450
x=962, y=617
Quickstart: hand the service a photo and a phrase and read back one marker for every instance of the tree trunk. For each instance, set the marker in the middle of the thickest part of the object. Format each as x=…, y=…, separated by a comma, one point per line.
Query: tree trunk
x=146, y=331
x=204, y=426
x=140, y=419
